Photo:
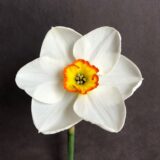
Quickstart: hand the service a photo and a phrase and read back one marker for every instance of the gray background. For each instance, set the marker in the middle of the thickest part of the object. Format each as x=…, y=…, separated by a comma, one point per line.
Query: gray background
x=23, y=25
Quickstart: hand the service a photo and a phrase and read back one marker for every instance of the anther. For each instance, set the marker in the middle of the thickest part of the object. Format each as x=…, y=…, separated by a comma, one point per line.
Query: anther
x=81, y=82
x=84, y=79
x=77, y=78
x=78, y=82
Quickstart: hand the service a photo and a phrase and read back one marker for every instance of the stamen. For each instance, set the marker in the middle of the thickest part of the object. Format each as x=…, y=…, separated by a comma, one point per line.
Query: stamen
x=80, y=79
x=84, y=79
x=77, y=78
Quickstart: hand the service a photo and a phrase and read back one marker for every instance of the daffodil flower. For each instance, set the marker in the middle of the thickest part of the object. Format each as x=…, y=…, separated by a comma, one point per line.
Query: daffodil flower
x=79, y=78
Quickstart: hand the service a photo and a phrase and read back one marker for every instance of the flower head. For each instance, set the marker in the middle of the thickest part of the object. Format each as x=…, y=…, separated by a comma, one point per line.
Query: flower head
x=79, y=78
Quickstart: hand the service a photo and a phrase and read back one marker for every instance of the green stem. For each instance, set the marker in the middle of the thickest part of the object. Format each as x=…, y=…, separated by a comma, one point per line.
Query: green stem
x=71, y=142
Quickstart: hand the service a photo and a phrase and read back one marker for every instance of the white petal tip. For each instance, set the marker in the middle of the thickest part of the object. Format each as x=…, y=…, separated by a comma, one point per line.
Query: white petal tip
x=117, y=130
x=17, y=79
x=39, y=132
x=42, y=131
x=112, y=130
x=136, y=87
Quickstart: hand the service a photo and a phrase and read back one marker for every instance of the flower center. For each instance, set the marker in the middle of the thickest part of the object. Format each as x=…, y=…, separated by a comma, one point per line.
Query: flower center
x=80, y=77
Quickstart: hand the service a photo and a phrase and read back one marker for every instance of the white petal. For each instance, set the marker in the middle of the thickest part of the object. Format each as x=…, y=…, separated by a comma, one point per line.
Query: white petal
x=101, y=47
x=42, y=79
x=103, y=107
x=125, y=76
x=56, y=117
x=58, y=43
